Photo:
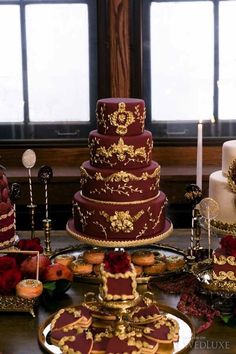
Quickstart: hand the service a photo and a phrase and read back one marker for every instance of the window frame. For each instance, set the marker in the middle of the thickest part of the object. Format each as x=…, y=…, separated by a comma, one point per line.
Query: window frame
x=173, y=132
x=66, y=132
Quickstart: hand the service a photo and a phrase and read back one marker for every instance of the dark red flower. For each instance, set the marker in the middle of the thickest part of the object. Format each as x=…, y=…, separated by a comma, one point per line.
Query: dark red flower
x=8, y=280
x=30, y=245
x=7, y=262
x=228, y=244
x=117, y=262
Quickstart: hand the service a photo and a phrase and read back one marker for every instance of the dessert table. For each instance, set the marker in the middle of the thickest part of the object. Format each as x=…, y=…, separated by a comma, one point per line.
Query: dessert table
x=19, y=331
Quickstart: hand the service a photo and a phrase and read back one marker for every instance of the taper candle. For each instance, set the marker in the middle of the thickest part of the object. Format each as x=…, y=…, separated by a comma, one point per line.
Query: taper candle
x=199, y=155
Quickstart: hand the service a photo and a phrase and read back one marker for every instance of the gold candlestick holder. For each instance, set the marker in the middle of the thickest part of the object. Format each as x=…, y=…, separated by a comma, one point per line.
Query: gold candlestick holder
x=32, y=217
x=47, y=226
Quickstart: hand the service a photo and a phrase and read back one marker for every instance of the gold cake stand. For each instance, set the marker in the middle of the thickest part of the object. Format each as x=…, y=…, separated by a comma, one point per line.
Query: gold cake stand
x=123, y=243
x=203, y=272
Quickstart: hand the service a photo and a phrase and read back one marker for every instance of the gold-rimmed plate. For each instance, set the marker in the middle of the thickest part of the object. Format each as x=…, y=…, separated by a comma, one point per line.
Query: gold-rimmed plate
x=185, y=342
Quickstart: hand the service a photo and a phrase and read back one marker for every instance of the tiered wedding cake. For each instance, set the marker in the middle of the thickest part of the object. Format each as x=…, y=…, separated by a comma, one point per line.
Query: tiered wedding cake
x=7, y=226
x=120, y=203
x=222, y=188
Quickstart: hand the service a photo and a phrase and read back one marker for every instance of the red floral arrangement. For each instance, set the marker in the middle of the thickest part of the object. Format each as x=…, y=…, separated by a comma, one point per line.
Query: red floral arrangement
x=10, y=265
x=116, y=262
x=228, y=244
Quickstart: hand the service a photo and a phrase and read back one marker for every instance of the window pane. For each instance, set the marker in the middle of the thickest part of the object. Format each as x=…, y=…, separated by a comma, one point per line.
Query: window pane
x=58, y=62
x=11, y=94
x=182, y=60
x=227, y=60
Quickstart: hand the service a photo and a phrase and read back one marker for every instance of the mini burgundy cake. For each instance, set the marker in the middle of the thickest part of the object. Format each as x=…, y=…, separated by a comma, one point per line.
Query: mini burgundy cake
x=118, y=277
x=120, y=201
x=7, y=226
x=224, y=260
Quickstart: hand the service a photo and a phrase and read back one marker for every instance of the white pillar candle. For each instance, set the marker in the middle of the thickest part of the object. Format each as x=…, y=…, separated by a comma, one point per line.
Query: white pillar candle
x=199, y=155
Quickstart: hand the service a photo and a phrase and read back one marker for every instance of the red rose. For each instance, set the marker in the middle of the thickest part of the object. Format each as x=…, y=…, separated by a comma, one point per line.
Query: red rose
x=30, y=245
x=117, y=262
x=7, y=262
x=228, y=244
x=8, y=280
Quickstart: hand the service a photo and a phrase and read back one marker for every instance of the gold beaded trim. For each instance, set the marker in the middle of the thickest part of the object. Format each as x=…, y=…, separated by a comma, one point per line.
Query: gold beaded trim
x=120, y=203
x=6, y=228
x=8, y=242
x=4, y=216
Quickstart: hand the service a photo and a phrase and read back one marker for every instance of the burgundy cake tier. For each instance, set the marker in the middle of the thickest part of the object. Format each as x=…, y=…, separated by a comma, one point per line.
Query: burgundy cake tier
x=7, y=225
x=120, y=116
x=224, y=266
x=120, y=152
x=7, y=229
x=114, y=221
x=119, y=185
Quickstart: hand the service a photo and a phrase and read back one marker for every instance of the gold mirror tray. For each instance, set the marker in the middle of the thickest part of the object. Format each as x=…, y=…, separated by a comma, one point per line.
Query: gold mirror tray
x=157, y=249
x=186, y=334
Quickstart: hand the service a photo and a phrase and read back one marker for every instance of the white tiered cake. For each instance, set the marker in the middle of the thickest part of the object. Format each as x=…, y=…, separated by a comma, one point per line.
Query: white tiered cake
x=222, y=188
x=120, y=203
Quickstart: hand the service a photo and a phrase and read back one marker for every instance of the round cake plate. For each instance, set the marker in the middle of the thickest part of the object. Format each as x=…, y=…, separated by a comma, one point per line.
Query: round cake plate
x=186, y=333
x=104, y=243
x=92, y=278
x=203, y=272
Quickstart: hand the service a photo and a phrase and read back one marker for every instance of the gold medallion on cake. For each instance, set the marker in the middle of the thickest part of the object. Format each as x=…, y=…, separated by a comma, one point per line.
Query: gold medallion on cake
x=121, y=119
x=231, y=176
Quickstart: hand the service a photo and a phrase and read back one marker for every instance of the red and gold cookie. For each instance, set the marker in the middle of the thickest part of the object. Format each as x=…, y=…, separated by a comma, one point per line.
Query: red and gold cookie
x=145, y=315
x=148, y=345
x=165, y=330
x=81, y=343
x=100, y=342
x=143, y=258
x=94, y=256
x=122, y=345
x=72, y=317
x=57, y=334
x=80, y=267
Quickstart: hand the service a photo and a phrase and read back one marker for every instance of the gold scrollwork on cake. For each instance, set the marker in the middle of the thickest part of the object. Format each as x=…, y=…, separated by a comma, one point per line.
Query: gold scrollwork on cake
x=230, y=275
x=120, y=176
x=221, y=260
x=122, y=151
x=121, y=119
x=84, y=217
x=231, y=176
x=121, y=220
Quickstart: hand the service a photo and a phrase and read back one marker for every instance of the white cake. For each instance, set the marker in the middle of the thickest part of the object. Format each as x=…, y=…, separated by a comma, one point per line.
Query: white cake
x=223, y=190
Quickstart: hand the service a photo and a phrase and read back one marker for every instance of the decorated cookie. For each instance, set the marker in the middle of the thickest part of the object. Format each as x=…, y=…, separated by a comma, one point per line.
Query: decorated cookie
x=145, y=315
x=81, y=343
x=165, y=330
x=72, y=317
x=120, y=345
